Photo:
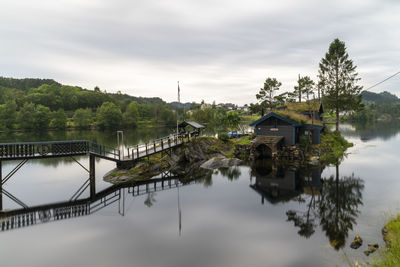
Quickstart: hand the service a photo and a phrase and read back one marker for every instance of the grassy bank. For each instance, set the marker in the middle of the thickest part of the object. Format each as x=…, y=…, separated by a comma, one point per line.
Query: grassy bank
x=390, y=255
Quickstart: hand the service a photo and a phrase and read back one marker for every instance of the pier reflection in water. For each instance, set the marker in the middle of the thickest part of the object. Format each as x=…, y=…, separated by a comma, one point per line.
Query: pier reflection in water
x=27, y=216
x=331, y=202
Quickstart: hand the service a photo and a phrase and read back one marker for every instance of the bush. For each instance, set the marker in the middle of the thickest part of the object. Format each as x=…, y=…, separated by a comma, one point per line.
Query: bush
x=333, y=146
x=223, y=137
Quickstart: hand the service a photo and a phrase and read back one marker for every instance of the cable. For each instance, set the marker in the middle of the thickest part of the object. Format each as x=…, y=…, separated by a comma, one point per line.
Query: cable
x=383, y=80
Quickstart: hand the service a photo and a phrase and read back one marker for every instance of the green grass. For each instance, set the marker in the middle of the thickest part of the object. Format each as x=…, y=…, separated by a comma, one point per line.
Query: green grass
x=390, y=255
x=250, y=117
x=245, y=140
x=333, y=146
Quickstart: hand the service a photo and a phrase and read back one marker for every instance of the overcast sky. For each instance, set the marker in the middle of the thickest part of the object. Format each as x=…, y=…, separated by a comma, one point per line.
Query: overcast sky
x=218, y=50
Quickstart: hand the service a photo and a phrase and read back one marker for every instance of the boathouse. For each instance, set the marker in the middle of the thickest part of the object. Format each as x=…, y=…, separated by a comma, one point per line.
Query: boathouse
x=290, y=130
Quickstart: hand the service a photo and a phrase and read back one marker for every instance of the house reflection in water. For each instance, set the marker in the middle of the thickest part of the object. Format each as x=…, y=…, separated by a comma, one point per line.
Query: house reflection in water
x=280, y=184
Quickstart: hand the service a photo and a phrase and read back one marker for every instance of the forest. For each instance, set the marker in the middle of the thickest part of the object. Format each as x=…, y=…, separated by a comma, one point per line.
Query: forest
x=382, y=106
x=42, y=104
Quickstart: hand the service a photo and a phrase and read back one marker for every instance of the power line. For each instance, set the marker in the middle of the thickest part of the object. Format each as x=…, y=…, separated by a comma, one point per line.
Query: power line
x=383, y=80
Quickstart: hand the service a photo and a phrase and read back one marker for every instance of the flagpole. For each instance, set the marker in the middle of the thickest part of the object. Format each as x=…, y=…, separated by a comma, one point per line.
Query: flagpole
x=179, y=100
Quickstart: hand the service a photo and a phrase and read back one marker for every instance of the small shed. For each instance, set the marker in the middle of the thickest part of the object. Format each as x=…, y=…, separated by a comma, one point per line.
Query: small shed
x=190, y=127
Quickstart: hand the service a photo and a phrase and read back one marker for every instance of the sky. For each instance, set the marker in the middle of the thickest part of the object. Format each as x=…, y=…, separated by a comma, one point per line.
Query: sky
x=219, y=50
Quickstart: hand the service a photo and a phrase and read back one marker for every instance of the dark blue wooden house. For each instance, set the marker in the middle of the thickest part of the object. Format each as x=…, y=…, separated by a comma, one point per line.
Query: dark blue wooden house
x=273, y=124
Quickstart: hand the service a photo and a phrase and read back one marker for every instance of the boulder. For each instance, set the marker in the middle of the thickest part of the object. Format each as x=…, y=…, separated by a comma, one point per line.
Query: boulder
x=218, y=162
x=371, y=249
x=357, y=242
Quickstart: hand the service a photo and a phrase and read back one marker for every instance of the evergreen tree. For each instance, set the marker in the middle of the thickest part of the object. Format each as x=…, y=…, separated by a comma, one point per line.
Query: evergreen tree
x=304, y=88
x=338, y=75
x=266, y=94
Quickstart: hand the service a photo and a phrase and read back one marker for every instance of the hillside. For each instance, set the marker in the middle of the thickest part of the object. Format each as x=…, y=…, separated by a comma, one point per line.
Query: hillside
x=379, y=98
x=43, y=103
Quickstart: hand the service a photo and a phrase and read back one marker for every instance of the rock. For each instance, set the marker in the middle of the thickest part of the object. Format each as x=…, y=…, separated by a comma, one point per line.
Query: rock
x=218, y=162
x=357, y=242
x=384, y=231
x=371, y=249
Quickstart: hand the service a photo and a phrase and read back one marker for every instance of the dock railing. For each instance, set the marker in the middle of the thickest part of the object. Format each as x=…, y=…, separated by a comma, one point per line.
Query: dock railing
x=43, y=149
x=30, y=150
x=158, y=145
x=106, y=151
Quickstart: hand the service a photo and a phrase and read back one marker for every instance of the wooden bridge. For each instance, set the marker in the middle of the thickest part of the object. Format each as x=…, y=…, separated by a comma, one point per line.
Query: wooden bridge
x=28, y=216
x=38, y=150
x=41, y=150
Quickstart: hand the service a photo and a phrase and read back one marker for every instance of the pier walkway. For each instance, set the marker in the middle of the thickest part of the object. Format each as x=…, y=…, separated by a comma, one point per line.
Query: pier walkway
x=38, y=150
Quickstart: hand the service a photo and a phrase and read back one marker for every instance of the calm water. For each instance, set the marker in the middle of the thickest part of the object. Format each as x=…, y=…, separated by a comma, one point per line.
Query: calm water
x=258, y=215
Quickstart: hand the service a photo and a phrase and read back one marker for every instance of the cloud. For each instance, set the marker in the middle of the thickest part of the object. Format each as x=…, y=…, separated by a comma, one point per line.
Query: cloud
x=219, y=50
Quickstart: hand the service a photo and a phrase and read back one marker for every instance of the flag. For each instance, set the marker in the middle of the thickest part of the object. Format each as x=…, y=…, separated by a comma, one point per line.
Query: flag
x=179, y=93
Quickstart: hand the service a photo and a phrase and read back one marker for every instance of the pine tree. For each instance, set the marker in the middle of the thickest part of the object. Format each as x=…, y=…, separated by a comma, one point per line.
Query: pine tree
x=339, y=77
x=266, y=94
x=304, y=87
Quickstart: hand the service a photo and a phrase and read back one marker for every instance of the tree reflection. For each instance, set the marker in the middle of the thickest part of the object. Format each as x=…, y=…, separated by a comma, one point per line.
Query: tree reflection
x=307, y=220
x=334, y=206
x=232, y=173
x=338, y=207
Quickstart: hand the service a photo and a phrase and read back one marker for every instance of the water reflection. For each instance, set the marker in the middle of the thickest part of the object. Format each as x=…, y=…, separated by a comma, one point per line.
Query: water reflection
x=332, y=203
x=338, y=206
x=384, y=130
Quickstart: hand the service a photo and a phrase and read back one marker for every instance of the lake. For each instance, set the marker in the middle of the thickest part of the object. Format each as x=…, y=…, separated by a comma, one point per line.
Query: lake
x=259, y=215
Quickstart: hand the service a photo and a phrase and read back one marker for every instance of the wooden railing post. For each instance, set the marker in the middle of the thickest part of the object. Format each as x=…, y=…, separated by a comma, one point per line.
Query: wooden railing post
x=137, y=151
x=146, y=148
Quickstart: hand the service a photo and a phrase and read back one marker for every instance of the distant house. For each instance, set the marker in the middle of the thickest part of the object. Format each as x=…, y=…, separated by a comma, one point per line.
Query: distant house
x=291, y=126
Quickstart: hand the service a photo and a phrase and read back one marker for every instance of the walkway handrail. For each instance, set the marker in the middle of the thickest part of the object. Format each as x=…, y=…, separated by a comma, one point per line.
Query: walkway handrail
x=157, y=145
x=104, y=150
x=42, y=149
x=79, y=147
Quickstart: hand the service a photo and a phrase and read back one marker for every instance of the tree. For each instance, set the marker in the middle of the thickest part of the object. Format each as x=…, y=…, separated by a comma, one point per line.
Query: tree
x=338, y=75
x=266, y=94
x=41, y=117
x=304, y=88
x=8, y=114
x=109, y=115
x=25, y=116
x=131, y=115
x=231, y=120
x=82, y=118
x=59, y=120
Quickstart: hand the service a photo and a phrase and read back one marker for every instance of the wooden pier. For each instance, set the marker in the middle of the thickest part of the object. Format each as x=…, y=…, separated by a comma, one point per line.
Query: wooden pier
x=42, y=150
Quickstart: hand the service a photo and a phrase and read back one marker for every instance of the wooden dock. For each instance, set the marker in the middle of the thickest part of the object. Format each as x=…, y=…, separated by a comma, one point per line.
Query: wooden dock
x=39, y=150
x=42, y=150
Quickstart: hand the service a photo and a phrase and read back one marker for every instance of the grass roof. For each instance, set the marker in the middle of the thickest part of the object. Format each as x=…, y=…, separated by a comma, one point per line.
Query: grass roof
x=297, y=117
x=303, y=106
